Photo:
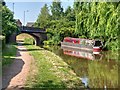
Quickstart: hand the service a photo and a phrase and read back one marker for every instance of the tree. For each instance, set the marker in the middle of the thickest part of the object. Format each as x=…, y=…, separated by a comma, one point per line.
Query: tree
x=43, y=17
x=57, y=10
x=68, y=10
x=81, y=15
x=98, y=20
x=86, y=20
x=70, y=14
x=8, y=23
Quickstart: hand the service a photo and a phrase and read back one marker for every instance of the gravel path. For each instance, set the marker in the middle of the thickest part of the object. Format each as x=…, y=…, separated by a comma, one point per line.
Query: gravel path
x=15, y=75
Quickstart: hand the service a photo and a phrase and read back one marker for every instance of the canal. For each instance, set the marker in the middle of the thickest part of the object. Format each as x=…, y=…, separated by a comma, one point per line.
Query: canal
x=95, y=71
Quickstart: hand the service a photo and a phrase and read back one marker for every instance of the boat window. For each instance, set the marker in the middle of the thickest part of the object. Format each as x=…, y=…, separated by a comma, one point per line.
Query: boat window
x=97, y=43
x=77, y=41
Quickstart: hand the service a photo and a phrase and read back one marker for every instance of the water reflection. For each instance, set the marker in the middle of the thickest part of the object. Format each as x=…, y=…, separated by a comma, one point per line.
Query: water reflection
x=85, y=81
x=82, y=54
x=101, y=72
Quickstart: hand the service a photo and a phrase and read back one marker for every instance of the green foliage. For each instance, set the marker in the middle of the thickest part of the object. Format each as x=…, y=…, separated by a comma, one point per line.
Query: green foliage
x=61, y=29
x=57, y=10
x=43, y=17
x=8, y=53
x=59, y=24
x=98, y=20
x=82, y=36
x=69, y=14
x=85, y=20
x=49, y=42
x=29, y=41
x=113, y=45
x=8, y=23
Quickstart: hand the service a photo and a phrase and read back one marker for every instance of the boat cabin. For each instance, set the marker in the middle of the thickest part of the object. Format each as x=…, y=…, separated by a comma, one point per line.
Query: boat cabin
x=94, y=43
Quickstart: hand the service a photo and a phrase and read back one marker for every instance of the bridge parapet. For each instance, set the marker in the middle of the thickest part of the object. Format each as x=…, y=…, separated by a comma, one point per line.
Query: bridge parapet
x=39, y=34
x=25, y=29
x=32, y=28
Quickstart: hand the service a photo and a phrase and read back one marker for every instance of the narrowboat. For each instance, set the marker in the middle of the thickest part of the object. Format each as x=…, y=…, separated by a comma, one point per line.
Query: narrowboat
x=94, y=46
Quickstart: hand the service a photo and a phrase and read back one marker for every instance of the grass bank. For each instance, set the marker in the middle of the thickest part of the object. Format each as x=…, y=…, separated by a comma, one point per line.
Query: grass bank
x=8, y=54
x=50, y=71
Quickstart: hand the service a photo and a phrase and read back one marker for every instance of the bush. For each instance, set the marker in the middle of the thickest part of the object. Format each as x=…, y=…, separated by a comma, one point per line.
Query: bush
x=82, y=36
x=48, y=42
x=113, y=45
x=29, y=41
x=8, y=53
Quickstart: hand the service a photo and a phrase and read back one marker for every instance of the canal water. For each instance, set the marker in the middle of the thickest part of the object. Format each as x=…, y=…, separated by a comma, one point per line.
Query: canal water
x=95, y=71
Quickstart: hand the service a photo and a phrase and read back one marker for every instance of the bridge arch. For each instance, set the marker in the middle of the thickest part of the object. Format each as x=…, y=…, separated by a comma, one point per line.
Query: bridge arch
x=38, y=34
x=36, y=38
x=22, y=36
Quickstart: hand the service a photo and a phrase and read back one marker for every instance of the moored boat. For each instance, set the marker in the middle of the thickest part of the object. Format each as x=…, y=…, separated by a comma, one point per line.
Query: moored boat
x=94, y=46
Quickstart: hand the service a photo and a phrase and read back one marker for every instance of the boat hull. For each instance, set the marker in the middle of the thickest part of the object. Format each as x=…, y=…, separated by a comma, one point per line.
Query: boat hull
x=96, y=50
x=82, y=44
x=76, y=46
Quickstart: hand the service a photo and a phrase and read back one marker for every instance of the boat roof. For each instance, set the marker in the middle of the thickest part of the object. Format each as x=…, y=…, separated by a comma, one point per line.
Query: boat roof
x=76, y=38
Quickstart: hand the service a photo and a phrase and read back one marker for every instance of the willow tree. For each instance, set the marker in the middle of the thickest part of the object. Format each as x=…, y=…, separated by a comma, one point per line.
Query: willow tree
x=112, y=29
x=98, y=20
x=78, y=13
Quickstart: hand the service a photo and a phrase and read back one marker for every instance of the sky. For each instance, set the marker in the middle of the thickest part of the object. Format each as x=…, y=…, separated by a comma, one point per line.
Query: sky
x=32, y=9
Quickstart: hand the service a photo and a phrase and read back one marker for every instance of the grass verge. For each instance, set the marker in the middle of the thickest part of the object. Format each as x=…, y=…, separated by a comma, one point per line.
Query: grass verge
x=8, y=54
x=51, y=71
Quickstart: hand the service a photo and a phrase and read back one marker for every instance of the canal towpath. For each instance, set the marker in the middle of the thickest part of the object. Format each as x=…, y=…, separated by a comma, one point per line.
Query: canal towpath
x=15, y=75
